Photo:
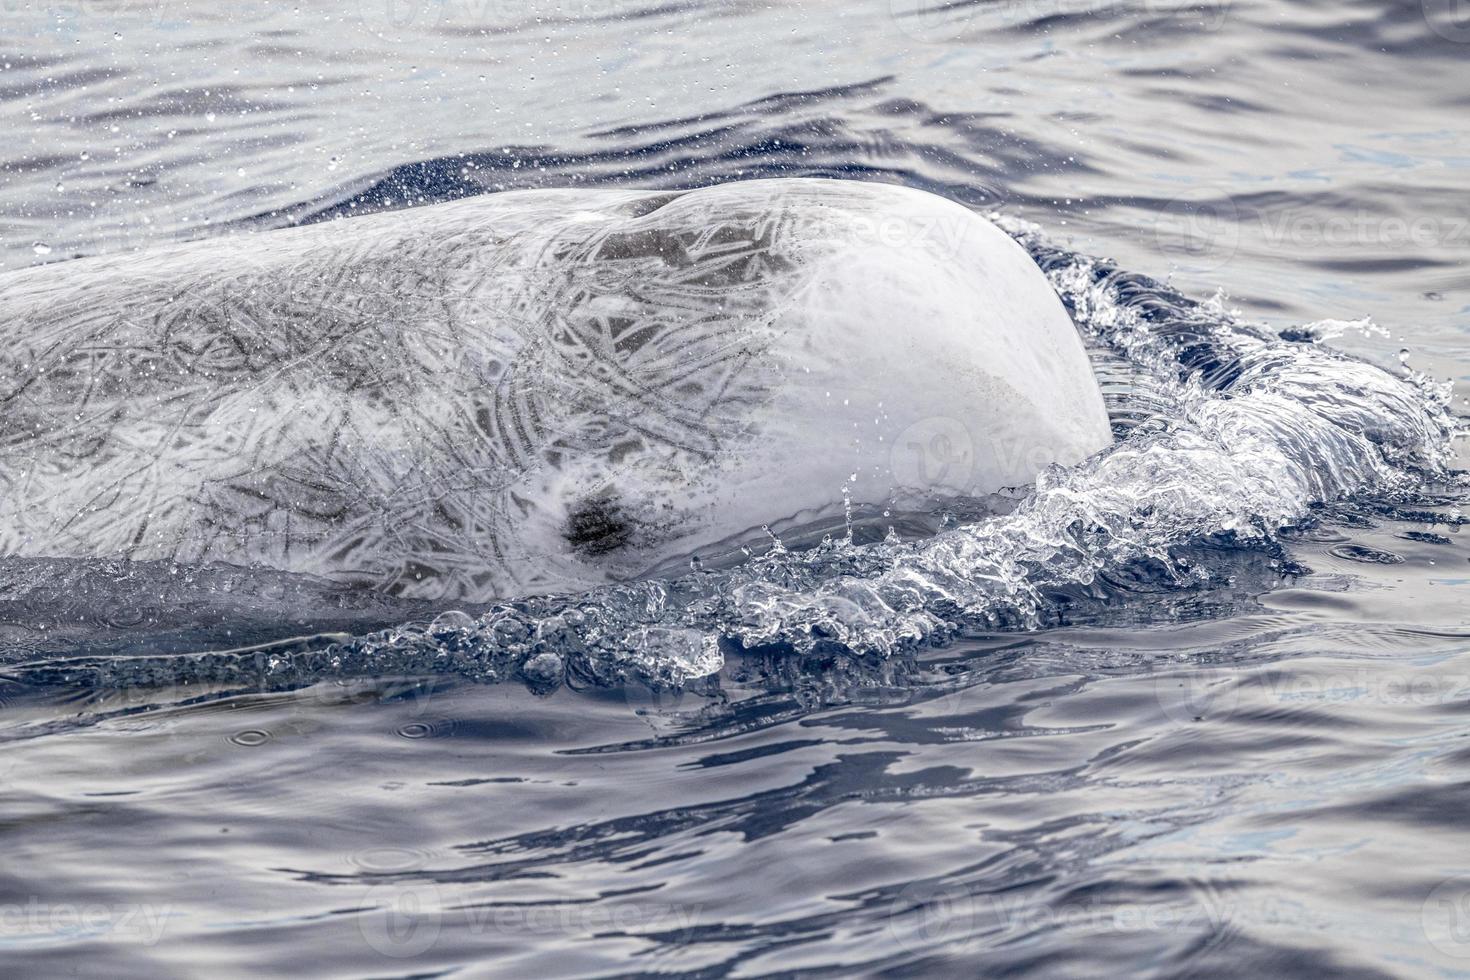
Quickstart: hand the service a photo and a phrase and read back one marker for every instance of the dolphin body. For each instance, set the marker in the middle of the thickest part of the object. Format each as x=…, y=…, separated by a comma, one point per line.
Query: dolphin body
x=532, y=391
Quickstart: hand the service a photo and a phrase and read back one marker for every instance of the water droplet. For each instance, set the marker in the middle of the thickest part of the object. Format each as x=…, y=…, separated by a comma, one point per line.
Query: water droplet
x=383, y=859
x=41, y=248
x=125, y=616
x=426, y=729
x=543, y=672
x=453, y=619
x=1370, y=556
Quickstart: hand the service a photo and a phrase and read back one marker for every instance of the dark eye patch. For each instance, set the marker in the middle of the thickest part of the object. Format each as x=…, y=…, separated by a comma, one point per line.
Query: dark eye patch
x=597, y=525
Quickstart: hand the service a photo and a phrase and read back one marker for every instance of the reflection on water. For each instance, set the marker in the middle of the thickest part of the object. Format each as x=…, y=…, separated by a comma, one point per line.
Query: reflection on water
x=1231, y=758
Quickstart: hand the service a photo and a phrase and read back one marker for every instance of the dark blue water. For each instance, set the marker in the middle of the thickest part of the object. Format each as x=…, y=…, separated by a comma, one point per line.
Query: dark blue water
x=1225, y=735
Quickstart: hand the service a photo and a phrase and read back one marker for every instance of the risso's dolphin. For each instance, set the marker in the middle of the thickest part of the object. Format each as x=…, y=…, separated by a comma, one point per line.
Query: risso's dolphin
x=530, y=391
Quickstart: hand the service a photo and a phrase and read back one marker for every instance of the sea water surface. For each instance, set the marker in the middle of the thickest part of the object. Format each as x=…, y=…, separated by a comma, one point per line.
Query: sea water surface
x=1196, y=707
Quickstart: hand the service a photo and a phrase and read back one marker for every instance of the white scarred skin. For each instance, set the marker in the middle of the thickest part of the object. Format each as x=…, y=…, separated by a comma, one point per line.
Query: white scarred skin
x=533, y=391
